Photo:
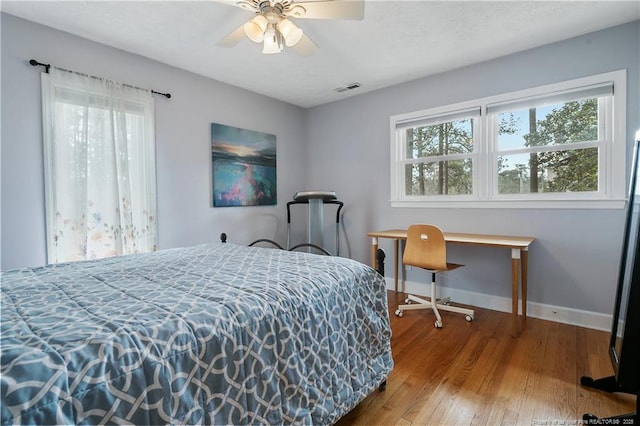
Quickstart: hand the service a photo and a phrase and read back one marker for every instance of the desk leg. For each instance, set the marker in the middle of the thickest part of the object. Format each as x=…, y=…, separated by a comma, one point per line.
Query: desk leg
x=374, y=249
x=396, y=261
x=524, y=273
x=515, y=277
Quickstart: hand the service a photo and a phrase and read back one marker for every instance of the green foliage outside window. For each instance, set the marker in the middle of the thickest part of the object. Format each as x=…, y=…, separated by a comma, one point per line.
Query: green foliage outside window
x=555, y=170
x=443, y=176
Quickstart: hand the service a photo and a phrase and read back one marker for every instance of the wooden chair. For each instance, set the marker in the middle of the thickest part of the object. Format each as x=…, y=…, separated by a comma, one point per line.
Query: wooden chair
x=426, y=249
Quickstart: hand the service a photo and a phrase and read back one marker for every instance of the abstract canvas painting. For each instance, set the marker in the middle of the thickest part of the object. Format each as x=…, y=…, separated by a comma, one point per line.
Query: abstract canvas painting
x=244, y=167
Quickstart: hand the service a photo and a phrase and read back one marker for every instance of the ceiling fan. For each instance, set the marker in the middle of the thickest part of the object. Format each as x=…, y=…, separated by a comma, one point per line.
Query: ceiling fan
x=273, y=24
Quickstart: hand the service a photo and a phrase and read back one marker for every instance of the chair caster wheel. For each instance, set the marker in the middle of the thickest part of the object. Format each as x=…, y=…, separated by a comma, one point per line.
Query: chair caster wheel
x=407, y=301
x=399, y=313
x=469, y=318
x=438, y=324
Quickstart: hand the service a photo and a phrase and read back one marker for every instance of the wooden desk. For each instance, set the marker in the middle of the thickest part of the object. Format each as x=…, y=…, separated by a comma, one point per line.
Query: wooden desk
x=519, y=259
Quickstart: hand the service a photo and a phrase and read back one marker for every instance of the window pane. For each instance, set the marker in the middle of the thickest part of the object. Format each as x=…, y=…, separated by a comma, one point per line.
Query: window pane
x=549, y=125
x=439, y=178
x=556, y=171
x=454, y=137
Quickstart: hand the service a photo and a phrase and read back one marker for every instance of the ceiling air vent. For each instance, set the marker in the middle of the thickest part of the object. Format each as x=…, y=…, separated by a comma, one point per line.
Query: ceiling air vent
x=350, y=86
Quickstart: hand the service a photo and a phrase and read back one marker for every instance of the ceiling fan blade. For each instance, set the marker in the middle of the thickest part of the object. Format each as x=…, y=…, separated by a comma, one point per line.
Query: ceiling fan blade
x=329, y=9
x=306, y=46
x=250, y=5
x=233, y=38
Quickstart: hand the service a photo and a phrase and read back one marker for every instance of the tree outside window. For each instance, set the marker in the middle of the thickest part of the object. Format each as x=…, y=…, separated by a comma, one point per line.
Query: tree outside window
x=439, y=169
x=560, y=162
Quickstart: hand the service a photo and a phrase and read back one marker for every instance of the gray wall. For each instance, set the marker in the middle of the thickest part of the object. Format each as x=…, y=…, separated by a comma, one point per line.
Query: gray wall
x=183, y=142
x=342, y=146
x=574, y=261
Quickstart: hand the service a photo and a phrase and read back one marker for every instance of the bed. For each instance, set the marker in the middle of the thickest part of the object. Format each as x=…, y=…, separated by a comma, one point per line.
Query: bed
x=211, y=334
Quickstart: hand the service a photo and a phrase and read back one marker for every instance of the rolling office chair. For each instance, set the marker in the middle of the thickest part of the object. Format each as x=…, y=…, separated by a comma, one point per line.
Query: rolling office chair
x=426, y=249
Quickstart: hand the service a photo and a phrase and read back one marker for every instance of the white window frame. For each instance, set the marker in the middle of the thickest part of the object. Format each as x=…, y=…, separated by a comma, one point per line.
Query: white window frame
x=611, y=157
x=437, y=116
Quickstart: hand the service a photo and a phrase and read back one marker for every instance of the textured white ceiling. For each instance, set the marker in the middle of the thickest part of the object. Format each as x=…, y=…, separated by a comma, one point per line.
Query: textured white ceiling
x=396, y=42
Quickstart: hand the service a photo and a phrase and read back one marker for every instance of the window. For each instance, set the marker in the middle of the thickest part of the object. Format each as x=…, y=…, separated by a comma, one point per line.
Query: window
x=437, y=153
x=99, y=151
x=551, y=146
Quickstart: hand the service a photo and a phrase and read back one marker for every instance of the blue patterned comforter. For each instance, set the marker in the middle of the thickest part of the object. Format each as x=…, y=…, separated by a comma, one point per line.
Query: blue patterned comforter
x=213, y=334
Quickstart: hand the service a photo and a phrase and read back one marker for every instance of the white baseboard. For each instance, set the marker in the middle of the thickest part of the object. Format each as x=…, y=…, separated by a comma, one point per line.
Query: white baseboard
x=595, y=320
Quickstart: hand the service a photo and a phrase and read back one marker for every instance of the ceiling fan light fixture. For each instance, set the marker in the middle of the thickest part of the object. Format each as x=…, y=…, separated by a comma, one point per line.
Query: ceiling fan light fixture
x=272, y=43
x=290, y=33
x=255, y=29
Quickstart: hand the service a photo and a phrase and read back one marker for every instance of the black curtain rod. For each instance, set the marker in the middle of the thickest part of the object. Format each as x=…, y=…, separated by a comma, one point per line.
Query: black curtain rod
x=35, y=63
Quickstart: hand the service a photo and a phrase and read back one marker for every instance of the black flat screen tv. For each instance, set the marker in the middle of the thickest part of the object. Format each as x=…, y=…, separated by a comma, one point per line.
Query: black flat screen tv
x=624, y=340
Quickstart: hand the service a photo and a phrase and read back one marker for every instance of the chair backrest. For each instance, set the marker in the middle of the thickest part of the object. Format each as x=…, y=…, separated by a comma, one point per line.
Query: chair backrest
x=425, y=248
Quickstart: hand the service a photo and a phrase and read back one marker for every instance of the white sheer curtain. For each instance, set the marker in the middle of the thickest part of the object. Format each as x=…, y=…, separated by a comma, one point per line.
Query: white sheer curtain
x=99, y=153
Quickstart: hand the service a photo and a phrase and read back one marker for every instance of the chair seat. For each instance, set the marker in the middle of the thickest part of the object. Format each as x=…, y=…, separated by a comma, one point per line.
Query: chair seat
x=450, y=267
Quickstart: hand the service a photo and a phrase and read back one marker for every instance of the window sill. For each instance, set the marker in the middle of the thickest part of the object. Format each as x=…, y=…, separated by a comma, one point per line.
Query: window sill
x=513, y=204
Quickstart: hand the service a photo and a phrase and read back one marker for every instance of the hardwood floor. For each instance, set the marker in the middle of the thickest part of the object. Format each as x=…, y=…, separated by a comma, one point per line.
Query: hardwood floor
x=476, y=373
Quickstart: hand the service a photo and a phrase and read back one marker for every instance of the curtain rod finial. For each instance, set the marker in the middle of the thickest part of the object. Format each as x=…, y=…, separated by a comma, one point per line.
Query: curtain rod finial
x=166, y=95
x=35, y=63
